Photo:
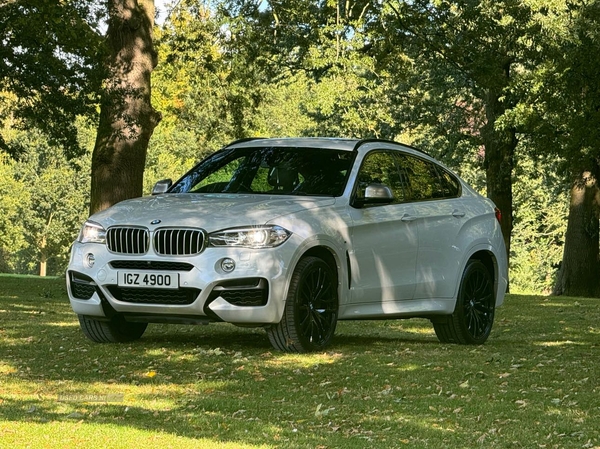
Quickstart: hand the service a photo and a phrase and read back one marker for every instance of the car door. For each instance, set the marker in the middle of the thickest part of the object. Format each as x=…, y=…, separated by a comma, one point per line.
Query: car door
x=384, y=238
x=439, y=214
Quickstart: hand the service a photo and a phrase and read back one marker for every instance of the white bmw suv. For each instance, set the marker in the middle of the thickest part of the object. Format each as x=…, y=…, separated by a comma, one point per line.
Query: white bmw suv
x=293, y=235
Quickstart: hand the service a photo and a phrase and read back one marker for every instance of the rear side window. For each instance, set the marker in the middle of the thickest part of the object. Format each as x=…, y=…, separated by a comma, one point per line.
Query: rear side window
x=423, y=178
x=410, y=178
x=450, y=185
x=426, y=180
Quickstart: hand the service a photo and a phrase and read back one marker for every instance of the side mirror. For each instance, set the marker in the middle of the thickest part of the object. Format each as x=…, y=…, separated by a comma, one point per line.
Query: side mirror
x=378, y=193
x=162, y=186
x=375, y=194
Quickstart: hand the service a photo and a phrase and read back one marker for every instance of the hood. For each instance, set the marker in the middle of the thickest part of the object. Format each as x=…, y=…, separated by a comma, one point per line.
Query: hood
x=208, y=211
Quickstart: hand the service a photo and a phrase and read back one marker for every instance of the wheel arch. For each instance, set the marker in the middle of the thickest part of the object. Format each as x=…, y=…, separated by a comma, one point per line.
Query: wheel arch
x=489, y=260
x=327, y=255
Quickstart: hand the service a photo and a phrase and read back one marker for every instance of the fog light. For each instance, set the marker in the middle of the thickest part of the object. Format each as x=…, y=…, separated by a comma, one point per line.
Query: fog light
x=89, y=260
x=227, y=265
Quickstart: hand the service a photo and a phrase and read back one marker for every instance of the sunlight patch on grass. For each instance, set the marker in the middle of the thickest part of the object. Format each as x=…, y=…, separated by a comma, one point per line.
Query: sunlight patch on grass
x=554, y=411
x=554, y=303
x=414, y=329
x=65, y=397
x=408, y=367
x=290, y=361
x=421, y=330
x=63, y=324
x=26, y=308
x=6, y=369
x=557, y=343
x=77, y=433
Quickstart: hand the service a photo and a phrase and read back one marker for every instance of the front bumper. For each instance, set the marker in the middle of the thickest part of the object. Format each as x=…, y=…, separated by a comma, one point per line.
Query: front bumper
x=253, y=293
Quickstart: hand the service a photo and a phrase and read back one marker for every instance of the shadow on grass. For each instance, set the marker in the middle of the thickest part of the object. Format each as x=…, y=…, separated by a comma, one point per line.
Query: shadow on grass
x=227, y=384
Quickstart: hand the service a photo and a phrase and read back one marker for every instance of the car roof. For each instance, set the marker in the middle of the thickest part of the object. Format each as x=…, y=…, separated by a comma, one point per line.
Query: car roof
x=332, y=143
x=306, y=142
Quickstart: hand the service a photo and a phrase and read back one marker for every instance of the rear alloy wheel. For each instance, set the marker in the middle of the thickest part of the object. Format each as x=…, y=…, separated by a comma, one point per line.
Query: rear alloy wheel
x=471, y=322
x=117, y=330
x=311, y=309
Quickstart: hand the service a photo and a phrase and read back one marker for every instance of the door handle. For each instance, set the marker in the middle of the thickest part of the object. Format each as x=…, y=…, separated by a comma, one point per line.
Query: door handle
x=408, y=218
x=458, y=214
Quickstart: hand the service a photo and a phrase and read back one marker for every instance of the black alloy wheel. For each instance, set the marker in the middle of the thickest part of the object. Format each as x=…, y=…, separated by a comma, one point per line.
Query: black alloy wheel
x=473, y=317
x=311, y=309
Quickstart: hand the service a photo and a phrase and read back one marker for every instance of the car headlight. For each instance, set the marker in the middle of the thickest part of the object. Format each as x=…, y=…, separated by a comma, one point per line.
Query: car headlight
x=92, y=233
x=250, y=237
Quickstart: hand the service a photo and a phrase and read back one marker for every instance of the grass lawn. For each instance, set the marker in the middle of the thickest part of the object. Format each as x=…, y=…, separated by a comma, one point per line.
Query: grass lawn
x=534, y=384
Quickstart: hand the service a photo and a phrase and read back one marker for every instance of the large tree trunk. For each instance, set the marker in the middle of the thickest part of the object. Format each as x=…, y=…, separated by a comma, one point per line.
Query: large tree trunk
x=579, y=271
x=499, y=160
x=127, y=118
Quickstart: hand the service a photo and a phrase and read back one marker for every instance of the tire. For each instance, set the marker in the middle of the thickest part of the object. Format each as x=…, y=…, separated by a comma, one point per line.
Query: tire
x=471, y=322
x=117, y=330
x=311, y=309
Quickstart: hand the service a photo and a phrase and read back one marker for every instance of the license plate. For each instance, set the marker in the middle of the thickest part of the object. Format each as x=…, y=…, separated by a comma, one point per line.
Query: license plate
x=147, y=279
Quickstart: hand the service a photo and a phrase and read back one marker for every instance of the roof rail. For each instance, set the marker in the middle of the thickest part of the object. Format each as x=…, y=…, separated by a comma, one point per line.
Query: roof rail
x=365, y=141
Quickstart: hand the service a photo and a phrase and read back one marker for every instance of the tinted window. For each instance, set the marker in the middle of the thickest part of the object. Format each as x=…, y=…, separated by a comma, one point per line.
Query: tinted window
x=270, y=170
x=450, y=185
x=379, y=167
x=422, y=177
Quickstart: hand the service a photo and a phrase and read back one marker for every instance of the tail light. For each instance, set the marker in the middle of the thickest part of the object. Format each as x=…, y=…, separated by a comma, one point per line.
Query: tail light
x=498, y=213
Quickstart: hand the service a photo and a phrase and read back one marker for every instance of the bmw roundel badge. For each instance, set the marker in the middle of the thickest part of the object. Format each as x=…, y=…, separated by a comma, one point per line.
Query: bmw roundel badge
x=153, y=222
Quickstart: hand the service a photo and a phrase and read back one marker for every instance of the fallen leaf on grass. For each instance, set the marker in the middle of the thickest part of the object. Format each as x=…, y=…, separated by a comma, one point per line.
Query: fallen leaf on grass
x=239, y=412
x=319, y=412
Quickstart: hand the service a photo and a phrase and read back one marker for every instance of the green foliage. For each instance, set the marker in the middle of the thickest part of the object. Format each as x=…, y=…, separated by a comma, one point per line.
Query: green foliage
x=567, y=90
x=541, y=200
x=58, y=203
x=283, y=113
x=44, y=200
x=422, y=72
x=49, y=59
x=208, y=95
x=14, y=200
x=172, y=151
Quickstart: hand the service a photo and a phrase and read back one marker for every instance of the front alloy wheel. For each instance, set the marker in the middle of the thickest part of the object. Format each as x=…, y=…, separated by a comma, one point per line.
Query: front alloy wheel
x=471, y=322
x=311, y=309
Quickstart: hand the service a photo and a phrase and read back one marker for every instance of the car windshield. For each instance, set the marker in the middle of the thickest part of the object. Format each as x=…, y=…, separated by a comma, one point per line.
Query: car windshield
x=270, y=170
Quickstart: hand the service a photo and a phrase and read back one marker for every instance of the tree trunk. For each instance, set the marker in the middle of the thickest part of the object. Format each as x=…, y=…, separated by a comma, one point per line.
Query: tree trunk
x=499, y=160
x=127, y=118
x=43, y=257
x=578, y=274
x=44, y=246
